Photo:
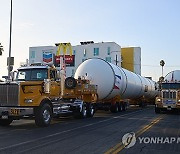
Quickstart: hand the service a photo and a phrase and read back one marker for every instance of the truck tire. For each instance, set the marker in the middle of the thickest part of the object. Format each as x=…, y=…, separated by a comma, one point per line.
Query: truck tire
x=82, y=113
x=70, y=83
x=43, y=115
x=114, y=108
x=90, y=110
x=157, y=110
x=5, y=122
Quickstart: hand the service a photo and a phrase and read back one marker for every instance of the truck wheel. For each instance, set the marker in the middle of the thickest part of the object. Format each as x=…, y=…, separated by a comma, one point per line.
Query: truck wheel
x=157, y=110
x=81, y=114
x=5, y=122
x=90, y=110
x=114, y=108
x=43, y=115
x=70, y=83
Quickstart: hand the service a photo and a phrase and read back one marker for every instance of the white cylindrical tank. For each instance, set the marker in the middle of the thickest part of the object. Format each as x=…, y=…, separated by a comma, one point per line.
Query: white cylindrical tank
x=173, y=76
x=113, y=80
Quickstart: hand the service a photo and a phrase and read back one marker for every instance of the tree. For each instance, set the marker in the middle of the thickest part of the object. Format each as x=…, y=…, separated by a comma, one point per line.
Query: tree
x=162, y=63
x=1, y=49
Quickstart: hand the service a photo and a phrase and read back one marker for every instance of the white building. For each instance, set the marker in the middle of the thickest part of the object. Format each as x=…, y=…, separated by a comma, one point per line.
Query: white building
x=109, y=51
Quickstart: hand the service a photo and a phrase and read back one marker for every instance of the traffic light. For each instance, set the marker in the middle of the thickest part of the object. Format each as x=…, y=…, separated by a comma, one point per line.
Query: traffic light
x=1, y=49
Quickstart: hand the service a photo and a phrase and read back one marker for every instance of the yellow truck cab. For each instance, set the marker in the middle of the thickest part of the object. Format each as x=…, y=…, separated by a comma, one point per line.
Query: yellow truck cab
x=36, y=92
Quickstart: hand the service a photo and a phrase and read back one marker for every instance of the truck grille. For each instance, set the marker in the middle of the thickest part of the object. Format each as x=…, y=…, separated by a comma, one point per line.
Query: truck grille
x=170, y=95
x=9, y=94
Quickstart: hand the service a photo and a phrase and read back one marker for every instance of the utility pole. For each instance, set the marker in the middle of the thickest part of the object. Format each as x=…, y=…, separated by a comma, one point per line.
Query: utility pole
x=1, y=49
x=9, y=58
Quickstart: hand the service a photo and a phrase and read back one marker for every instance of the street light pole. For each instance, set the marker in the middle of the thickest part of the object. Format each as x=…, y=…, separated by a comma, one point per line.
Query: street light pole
x=9, y=59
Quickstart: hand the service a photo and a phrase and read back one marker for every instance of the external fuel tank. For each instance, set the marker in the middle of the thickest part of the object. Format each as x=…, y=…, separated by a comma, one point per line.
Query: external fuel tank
x=173, y=76
x=113, y=80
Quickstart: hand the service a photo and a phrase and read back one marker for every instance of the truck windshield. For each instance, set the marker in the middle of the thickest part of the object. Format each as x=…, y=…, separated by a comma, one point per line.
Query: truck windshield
x=32, y=74
x=170, y=85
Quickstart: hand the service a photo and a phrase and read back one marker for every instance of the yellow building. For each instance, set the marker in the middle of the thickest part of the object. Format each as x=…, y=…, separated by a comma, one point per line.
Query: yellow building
x=131, y=59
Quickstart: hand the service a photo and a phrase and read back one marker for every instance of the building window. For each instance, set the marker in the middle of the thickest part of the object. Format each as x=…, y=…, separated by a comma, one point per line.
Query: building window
x=108, y=59
x=84, y=52
x=96, y=51
x=33, y=54
x=74, y=52
x=108, y=51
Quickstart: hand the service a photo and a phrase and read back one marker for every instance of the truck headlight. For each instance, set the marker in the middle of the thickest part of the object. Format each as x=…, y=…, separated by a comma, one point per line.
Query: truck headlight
x=28, y=100
x=158, y=100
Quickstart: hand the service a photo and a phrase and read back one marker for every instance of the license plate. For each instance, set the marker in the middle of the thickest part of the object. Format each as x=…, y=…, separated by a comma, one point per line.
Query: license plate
x=15, y=111
x=168, y=108
x=4, y=117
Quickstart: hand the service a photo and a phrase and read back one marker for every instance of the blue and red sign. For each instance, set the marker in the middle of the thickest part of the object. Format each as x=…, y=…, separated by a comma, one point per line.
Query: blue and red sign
x=117, y=83
x=47, y=57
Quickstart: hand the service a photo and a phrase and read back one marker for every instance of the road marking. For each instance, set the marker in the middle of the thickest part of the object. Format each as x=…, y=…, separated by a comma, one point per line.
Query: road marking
x=120, y=146
x=66, y=131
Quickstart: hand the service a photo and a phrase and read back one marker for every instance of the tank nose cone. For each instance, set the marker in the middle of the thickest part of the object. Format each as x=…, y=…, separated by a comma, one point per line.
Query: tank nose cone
x=100, y=73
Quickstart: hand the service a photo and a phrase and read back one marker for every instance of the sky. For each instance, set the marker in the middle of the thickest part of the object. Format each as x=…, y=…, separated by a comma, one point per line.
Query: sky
x=153, y=25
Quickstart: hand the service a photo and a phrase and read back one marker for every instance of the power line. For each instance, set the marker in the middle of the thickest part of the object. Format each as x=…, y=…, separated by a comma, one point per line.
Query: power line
x=148, y=65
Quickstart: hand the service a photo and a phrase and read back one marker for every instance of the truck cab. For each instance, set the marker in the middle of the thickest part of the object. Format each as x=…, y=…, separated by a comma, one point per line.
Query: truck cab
x=169, y=97
x=37, y=92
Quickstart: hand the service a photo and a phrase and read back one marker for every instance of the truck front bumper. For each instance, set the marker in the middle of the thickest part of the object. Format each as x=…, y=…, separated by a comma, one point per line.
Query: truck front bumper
x=175, y=107
x=6, y=112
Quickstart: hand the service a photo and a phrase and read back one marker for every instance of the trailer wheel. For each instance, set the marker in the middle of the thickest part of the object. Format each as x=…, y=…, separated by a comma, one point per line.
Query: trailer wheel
x=43, y=115
x=70, y=83
x=124, y=106
x=82, y=113
x=157, y=110
x=114, y=108
x=90, y=110
x=5, y=122
x=142, y=104
x=120, y=109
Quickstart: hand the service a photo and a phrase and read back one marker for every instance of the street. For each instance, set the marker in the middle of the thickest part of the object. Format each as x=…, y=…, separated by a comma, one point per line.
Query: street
x=101, y=134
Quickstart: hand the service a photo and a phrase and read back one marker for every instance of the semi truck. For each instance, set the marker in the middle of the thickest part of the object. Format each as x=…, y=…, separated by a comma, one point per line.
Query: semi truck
x=169, y=93
x=39, y=92
x=117, y=87
x=42, y=92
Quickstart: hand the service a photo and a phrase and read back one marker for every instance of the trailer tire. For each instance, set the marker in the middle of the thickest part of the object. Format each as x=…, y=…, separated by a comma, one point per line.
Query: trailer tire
x=124, y=106
x=142, y=104
x=43, y=115
x=5, y=122
x=82, y=113
x=70, y=83
x=120, y=109
x=90, y=110
x=114, y=108
x=157, y=110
